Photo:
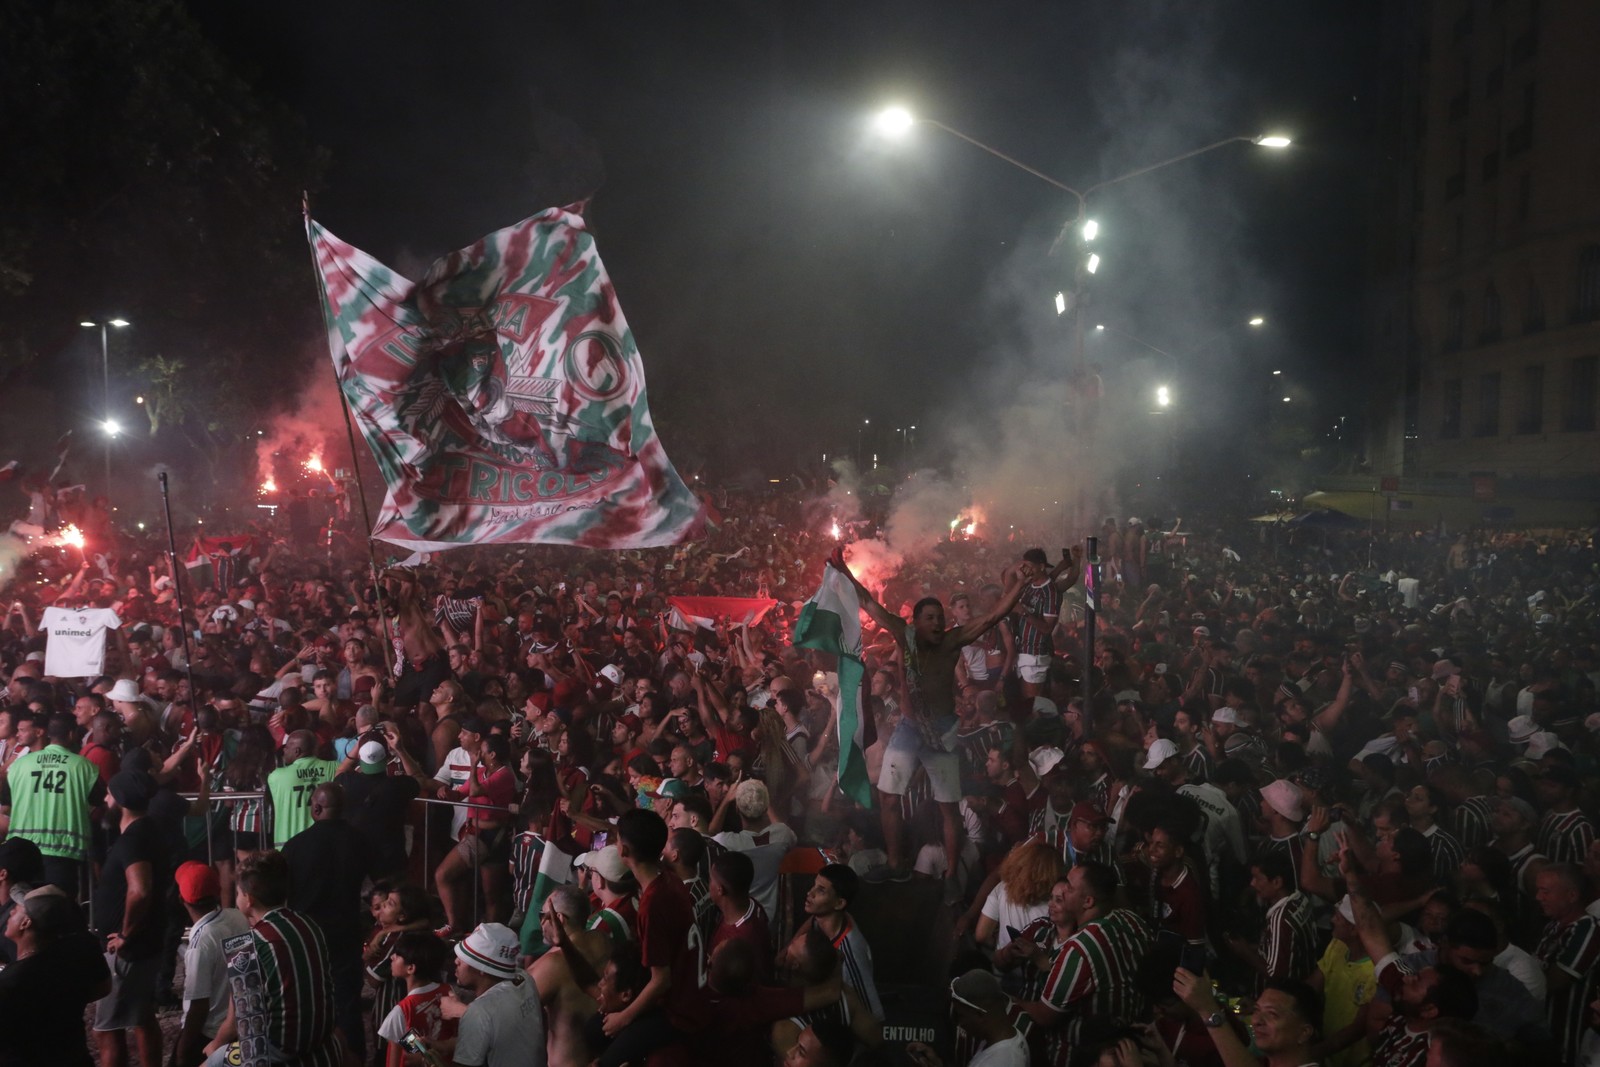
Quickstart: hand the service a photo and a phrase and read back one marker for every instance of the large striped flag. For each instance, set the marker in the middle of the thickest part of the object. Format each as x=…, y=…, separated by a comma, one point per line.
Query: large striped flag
x=502, y=395
x=831, y=622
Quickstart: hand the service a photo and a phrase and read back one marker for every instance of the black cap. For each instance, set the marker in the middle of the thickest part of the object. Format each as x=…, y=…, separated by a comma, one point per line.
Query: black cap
x=133, y=790
x=21, y=860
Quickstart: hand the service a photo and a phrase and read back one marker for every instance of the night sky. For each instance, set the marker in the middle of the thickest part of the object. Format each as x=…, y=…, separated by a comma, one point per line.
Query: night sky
x=786, y=273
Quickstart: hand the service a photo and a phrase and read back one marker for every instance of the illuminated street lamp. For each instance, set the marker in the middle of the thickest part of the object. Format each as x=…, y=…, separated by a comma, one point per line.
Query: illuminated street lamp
x=1273, y=140
x=1257, y=320
x=1163, y=396
x=1061, y=303
x=1091, y=230
x=1093, y=263
x=108, y=424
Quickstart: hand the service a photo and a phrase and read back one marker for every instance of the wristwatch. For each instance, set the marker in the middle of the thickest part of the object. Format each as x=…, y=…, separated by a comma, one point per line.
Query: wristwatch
x=1313, y=835
x=1215, y=1019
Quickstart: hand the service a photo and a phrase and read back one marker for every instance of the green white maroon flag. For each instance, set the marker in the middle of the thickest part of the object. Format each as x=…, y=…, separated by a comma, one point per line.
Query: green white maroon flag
x=831, y=622
x=503, y=394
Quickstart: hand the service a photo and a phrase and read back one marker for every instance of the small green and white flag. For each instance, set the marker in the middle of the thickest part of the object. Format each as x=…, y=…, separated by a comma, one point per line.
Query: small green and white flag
x=831, y=622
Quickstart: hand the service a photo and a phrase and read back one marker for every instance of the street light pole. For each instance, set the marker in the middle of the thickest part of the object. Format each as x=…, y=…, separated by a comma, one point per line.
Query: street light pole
x=108, y=425
x=897, y=120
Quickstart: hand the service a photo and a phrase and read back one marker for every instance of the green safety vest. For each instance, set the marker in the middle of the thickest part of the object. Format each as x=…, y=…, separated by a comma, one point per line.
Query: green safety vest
x=290, y=789
x=50, y=801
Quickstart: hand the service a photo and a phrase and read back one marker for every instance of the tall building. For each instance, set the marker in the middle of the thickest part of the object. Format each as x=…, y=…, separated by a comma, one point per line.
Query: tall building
x=1485, y=301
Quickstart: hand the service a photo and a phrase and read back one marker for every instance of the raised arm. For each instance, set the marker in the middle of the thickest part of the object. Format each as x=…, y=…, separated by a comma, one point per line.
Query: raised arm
x=1007, y=602
x=880, y=614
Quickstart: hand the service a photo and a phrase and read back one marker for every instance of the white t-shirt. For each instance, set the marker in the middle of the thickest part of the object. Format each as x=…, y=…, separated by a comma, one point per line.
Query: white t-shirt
x=454, y=772
x=1524, y=966
x=766, y=849
x=998, y=906
x=77, y=645
x=1012, y=1052
x=503, y=1028
x=205, y=965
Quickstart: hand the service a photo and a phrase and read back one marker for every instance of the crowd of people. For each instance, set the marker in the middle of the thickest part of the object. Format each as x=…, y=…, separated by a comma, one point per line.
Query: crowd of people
x=1314, y=798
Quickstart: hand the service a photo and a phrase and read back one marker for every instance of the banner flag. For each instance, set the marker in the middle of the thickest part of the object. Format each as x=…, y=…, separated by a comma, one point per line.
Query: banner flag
x=502, y=395
x=688, y=612
x=831, y=622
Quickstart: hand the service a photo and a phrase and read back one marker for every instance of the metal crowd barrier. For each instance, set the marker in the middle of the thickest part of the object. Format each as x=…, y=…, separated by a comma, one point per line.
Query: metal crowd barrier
x=227, y=797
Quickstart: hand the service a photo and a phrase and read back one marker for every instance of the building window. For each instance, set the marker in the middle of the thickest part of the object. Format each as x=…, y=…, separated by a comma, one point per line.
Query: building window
x=1583, y=374
x=1455, y=313
x=1587, y=306
x=1488, y=405
x=1531, y=419
x=1491, y=315
x=1450, y=424
x=1533, y=310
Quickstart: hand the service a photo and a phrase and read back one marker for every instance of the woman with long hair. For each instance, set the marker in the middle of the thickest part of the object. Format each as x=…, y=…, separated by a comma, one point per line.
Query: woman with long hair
x=1022, y=895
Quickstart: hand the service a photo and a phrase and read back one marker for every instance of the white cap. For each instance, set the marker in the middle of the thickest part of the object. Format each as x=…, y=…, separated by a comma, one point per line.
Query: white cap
x=1159, y=753
x=373, y=752
x=1541, y=743
x=1284, y=797
x=611, y=673
x=1043, y=759
x=1227, y=715
x=126, y=690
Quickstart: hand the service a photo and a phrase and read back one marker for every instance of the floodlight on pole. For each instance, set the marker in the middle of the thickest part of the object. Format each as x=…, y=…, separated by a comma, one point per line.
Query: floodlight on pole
x=112, y=427
x=1093, y=264
x=1257, y=320
x=1273, y=140
x=894, y=121
x=1091, y=230
x=1163, y=396
x=1061, y=303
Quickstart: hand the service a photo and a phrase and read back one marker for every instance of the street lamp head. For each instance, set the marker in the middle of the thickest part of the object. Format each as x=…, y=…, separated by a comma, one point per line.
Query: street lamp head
x=1099, y=326
x=1273, y=140
x=1257, y=320
x=112, y=427
x=1285, y=400
x=1093, y=264
x=893, y=121
x=86, y=324
x=119, y=323
x=1061, y=303
x=1276, y=373
x=1163, y=396
x=1091, y=229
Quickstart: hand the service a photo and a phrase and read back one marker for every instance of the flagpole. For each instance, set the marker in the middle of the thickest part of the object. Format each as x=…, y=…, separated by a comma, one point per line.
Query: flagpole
x=355, y=457
x=177, y=590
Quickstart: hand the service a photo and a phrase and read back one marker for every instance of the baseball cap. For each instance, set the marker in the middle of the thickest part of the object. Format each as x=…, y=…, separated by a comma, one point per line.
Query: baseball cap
x=1202, y=631
x=611, y=673
x=1284, y=798
x=492, y=948
x=1226, y=715
x=1088, y=812
x=197, y=882
x=1541, y=743
x=473, y=724
x=1159, y=753
x=21, y=859
x=374, y=757
x=606, y=862
x=132, y=789
x=670, y=789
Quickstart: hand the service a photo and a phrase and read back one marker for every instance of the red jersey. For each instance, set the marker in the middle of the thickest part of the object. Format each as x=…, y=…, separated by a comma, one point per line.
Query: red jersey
x=669, y=938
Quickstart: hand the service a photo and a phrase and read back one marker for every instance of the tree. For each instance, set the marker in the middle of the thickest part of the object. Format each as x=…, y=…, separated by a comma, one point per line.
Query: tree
x=146, y=177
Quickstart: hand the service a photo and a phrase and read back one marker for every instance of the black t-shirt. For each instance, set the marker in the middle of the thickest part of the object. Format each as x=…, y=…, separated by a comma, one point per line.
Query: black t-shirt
x=327, y=863
x=376, y=805
x=141, y=842
x=43, y=999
